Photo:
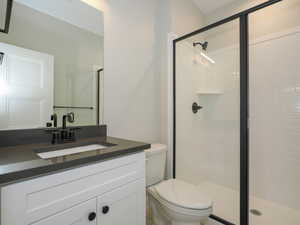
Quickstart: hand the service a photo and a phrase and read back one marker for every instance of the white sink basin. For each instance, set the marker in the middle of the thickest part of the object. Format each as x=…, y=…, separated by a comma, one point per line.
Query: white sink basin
x=70, y=151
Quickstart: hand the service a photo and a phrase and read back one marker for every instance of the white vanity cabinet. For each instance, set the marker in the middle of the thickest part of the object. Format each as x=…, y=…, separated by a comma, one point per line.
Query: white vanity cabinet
x=77, y=215
x=110, y=192
x=121, y=206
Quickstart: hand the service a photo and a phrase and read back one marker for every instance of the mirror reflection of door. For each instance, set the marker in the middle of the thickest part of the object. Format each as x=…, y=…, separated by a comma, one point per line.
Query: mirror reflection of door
x=26, y=88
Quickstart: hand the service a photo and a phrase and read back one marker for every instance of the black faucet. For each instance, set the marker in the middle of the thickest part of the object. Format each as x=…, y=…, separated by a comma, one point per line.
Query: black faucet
x=54, y=118
x=64, y=122
x=67, y=134
x=70, y=117
x=64, y=134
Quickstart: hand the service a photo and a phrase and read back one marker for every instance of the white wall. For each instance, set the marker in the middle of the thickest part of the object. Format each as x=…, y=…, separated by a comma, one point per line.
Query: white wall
x=185, y=17
x=136, y=62
x=98, y=4
x=132, y=79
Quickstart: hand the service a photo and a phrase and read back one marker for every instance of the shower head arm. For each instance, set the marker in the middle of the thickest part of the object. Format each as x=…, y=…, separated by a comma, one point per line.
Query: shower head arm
x=203, y=45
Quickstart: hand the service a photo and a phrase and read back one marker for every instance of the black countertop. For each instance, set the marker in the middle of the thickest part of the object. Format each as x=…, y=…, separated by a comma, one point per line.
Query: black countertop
x=21, y=162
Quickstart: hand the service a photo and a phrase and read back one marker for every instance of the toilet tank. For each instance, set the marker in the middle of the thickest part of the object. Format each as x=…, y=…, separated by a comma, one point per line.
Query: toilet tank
x=155, y=163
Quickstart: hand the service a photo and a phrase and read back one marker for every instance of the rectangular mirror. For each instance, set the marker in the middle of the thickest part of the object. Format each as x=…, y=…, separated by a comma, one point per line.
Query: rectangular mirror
x=51, y=62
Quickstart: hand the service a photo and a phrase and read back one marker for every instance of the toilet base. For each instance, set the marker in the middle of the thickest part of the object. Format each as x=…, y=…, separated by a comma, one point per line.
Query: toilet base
x=203, y=222
x=162, y=215
x=182, y=223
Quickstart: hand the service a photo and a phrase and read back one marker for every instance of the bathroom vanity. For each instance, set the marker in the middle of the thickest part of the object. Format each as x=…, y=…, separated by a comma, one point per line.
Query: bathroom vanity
x=107, y=193
x=102, y=186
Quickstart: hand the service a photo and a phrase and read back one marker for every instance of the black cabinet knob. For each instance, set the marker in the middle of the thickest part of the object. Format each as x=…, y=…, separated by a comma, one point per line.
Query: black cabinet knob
x=92, y=216
x=105, y=209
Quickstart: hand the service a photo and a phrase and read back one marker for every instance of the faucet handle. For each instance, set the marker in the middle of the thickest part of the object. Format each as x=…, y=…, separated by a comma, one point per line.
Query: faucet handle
x=71, y=117
x=48, y=124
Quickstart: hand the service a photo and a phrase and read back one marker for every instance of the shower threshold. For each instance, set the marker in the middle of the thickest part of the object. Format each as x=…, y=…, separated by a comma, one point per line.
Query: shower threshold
x=268, y=212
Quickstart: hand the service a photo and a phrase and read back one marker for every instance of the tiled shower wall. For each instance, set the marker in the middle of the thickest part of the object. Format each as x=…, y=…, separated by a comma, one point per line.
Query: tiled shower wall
x=275, y=118
x=208, y=142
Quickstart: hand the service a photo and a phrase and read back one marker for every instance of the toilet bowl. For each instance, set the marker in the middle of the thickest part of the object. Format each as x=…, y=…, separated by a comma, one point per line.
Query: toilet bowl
x=172, y=202
x=175, y=202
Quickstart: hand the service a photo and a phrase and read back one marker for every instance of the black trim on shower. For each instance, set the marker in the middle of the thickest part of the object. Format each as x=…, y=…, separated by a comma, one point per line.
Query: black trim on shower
x=98, y=95
x=174, y=109
x=9, y=7
x=220, y=220
x=244, y=104
x=244, y=119
x=228, y=19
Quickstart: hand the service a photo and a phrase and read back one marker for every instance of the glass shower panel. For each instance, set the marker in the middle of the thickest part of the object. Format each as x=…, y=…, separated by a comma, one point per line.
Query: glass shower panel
x=78, y=88
x=207, y=138
x=275, y=115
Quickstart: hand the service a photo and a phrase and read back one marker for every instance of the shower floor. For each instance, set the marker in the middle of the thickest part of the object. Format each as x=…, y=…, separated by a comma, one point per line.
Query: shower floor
x=226, y=206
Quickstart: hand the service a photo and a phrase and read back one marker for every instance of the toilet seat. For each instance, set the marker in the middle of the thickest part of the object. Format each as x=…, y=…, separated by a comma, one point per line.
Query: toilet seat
x=176, y=208
x=183, y=195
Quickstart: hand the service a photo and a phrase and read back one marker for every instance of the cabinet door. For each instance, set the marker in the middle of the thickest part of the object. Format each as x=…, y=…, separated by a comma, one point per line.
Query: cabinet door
x=83, y=214
x=123, y=206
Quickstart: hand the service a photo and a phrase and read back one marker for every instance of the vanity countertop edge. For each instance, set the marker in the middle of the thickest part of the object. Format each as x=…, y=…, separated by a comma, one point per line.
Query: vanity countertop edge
x=19, y=163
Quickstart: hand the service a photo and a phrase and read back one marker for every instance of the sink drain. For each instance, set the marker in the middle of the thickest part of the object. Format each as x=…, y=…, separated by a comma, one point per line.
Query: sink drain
x=256, y=212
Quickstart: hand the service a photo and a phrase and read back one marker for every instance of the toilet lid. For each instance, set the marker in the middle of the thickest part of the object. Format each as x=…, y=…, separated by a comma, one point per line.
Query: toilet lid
x=183, y=194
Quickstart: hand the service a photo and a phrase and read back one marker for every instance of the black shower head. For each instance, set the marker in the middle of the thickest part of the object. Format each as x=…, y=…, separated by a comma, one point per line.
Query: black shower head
x=203, y=45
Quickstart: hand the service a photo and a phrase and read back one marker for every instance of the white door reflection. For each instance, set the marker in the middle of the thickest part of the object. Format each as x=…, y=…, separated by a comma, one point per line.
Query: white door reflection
x=26, y=88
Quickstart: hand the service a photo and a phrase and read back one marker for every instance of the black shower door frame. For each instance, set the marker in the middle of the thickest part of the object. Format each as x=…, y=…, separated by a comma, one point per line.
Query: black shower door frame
x=243, y=18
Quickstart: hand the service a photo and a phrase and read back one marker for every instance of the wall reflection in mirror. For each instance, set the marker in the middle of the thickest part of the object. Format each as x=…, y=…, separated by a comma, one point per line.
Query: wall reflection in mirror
x=51, y=62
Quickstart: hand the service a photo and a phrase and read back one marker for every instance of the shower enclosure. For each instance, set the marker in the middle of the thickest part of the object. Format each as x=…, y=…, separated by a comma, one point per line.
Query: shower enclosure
x=236, y=114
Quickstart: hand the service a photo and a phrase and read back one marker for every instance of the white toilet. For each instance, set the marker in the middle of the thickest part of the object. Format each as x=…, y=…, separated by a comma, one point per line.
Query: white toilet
x=172, y=202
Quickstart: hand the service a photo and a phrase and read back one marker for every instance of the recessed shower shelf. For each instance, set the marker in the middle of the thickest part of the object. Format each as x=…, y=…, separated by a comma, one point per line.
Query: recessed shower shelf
x=209, y=92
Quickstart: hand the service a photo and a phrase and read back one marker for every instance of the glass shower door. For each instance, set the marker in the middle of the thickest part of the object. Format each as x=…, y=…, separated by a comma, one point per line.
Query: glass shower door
x=275, y=115
x=207, y=107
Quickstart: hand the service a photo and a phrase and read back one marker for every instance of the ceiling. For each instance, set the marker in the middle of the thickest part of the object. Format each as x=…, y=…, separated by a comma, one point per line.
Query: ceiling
x=207, y=6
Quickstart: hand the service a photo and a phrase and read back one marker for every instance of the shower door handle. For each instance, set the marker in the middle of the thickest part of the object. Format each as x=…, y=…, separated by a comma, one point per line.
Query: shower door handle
x=196, y=107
